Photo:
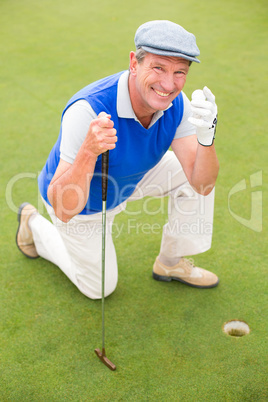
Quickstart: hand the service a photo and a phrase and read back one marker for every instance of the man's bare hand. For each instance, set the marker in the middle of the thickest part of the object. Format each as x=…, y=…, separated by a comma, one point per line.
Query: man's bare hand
x=101, y=135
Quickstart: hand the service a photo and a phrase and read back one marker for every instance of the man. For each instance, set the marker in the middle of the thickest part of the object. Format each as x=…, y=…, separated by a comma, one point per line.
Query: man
x=136, y=115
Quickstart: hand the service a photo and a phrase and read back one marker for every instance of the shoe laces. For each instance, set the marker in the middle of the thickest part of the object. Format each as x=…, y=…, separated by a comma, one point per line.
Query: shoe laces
x=195, y=271
x=190, y=261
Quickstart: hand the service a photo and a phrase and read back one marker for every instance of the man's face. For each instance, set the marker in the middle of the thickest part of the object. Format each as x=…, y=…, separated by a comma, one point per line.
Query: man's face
x=157, y=81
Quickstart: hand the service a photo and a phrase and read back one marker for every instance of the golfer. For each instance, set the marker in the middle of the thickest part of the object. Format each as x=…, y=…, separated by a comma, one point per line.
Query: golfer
x=160, y=144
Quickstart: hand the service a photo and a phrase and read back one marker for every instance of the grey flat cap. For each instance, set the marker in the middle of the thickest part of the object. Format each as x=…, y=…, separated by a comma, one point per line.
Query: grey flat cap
x=167, y=39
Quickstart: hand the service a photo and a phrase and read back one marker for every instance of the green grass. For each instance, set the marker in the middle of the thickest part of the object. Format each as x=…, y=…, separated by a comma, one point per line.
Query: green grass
x=165, y=338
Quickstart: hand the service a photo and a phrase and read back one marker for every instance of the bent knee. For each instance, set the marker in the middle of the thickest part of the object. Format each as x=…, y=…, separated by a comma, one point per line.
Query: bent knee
x=95, y=292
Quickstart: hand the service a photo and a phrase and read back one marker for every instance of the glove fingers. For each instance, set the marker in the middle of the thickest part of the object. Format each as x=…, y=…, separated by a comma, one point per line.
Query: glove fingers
x=199, y=122
x=209, y=95
x=198, y=94
x=198, y=111
x=202, y=104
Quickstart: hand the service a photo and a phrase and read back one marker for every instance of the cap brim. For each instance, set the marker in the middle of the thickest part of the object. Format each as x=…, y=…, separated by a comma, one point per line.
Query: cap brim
x=161, y=52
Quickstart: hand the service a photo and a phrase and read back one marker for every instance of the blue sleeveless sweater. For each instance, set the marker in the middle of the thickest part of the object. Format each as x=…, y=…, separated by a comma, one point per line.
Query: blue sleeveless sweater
x=137, y=150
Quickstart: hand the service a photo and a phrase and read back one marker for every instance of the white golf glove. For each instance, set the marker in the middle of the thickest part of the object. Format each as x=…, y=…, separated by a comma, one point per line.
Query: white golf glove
x=204, y=115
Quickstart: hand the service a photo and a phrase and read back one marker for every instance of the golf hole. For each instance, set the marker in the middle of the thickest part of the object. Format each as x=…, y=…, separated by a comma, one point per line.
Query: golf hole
x=236, y=328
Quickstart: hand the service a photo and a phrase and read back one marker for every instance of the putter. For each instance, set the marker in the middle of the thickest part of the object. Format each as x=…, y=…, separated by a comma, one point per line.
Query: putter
x=104, y=171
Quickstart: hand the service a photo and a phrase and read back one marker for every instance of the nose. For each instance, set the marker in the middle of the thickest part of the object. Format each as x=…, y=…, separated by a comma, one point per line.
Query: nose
x=167, y=82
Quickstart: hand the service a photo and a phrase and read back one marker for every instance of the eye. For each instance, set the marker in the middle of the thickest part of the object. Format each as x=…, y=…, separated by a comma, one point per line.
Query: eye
x=158, y=68
x=181, y=72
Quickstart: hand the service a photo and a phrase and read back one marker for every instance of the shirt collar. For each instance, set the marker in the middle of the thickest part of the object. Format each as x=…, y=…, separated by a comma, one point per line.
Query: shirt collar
x=124, y=107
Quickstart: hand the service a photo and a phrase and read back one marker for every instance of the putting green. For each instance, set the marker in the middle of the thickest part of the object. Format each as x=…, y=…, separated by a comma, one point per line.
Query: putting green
x=166, y=339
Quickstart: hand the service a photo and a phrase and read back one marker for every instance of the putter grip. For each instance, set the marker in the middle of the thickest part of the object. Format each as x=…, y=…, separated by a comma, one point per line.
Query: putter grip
x=104, y=174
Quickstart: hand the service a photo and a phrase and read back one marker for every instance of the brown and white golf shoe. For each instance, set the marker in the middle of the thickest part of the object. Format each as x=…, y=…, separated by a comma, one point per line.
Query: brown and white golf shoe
x=24, y=236
x=186, y=272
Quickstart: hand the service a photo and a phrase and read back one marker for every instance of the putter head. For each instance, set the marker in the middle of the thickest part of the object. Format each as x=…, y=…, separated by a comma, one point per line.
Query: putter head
x=104, y=359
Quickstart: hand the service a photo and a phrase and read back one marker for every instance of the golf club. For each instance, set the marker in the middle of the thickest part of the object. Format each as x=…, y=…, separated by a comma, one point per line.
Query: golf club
x=104, y=170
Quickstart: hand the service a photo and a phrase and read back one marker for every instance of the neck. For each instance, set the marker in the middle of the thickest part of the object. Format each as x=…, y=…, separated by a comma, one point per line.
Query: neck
x=145, y=121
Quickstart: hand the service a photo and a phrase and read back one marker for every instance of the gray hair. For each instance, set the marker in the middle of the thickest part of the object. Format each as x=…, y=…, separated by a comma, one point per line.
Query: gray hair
x=140, y=55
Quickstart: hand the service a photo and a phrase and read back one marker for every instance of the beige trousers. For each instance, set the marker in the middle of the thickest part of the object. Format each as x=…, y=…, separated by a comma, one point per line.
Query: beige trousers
x=75, y=247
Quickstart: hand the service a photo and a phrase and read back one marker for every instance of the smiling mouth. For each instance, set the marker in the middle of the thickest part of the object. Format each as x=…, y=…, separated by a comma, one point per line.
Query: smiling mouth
x=163, y=94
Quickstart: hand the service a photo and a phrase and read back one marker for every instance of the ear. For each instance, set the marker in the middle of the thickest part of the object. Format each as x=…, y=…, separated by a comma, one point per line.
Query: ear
x=133, y=63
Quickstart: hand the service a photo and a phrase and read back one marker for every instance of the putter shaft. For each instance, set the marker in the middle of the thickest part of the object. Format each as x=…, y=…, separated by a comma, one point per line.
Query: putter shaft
x=101, y=354
x=103, y=269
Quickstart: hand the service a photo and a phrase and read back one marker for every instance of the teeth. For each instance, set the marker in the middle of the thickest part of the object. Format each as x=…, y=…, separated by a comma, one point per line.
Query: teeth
x=161, y=93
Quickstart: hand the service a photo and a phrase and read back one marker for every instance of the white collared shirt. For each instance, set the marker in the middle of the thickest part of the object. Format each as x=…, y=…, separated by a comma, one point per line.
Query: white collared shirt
x=77, y=118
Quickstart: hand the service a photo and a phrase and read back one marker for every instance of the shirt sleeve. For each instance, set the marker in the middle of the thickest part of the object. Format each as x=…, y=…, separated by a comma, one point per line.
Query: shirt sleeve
x=75, y=124
x=185, y=128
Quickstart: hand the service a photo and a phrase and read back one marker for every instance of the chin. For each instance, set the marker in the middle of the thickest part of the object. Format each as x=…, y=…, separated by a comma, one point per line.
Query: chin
x=161, y=105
